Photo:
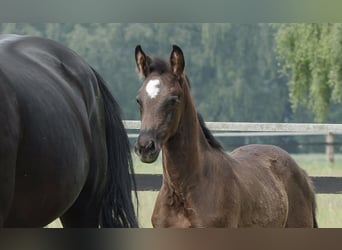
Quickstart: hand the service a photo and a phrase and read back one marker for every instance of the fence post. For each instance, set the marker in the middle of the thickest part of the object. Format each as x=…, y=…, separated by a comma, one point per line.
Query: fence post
x=329, y=148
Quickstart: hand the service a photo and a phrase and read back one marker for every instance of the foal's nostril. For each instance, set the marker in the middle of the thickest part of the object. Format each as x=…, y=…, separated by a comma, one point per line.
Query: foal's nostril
x=150, y=146
x=143, y=148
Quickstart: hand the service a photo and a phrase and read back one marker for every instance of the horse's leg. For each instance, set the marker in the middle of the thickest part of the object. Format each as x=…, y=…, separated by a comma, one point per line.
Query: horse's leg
x=81, y=214
x=7, y=178
x=301, y=205
x=9, y=138
x=85, y=212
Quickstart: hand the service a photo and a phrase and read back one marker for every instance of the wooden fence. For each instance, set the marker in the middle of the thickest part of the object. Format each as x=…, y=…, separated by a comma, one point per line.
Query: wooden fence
x=323, y=185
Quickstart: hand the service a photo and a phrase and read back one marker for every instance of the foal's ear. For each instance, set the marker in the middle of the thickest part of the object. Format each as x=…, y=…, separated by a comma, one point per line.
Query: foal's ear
x=177, y=60
x=143, y=62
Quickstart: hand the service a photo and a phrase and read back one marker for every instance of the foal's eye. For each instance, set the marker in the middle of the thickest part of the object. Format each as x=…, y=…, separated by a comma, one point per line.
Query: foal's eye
x=173, y=100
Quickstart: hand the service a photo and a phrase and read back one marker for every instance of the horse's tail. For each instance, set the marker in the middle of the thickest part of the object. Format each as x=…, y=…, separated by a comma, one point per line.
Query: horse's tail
x=117, y=208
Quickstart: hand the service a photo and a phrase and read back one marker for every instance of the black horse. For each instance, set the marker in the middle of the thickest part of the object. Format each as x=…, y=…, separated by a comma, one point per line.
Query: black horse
x=64, y=151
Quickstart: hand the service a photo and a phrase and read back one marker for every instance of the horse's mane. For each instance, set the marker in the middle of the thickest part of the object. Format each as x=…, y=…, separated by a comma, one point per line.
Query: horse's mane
x=208, y=135
x=160, y=66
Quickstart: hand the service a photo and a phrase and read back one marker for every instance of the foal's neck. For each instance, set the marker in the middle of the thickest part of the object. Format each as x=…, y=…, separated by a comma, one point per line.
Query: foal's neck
x=181, y=153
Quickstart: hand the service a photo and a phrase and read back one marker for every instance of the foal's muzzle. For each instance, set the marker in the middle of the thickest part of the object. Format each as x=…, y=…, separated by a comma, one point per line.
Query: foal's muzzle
x=146, y=148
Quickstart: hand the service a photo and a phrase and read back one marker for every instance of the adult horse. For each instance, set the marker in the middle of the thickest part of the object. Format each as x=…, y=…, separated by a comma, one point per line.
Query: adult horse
x=64, y=151
x=255, y=185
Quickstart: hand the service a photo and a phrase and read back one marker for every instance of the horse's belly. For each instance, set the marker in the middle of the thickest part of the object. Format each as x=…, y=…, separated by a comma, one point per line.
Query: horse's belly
x=271, y=211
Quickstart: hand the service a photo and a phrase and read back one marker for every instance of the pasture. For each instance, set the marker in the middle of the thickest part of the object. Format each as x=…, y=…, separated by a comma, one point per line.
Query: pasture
x=329, y=213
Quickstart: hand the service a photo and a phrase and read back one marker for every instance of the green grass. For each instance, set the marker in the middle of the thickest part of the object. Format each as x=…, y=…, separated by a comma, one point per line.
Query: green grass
x=329, y=206
x=147, y=168
x=329, y=214
x=317, y=164
x=329, y=209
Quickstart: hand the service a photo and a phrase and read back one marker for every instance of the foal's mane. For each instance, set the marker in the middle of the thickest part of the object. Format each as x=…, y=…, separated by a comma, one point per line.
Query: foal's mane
x=160, y=66
x=208, y=135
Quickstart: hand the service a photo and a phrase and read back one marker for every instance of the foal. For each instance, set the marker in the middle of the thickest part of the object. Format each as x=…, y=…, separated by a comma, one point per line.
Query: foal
x=255, y=185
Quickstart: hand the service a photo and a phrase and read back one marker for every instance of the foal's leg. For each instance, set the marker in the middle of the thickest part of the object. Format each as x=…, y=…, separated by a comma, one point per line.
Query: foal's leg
x=301, y=206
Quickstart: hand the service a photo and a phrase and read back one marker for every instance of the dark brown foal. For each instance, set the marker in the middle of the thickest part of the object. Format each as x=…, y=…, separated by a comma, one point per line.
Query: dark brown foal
x=254, y=186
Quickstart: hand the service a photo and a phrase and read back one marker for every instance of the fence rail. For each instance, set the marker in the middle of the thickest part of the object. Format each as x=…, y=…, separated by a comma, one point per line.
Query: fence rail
x=262, y=127
x=323, y=185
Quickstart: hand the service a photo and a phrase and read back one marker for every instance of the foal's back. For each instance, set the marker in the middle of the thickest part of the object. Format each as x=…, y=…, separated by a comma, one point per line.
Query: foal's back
x=297, y=185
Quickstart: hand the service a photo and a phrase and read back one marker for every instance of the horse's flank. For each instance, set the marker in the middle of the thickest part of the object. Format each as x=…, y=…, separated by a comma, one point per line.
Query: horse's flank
x=62, y=153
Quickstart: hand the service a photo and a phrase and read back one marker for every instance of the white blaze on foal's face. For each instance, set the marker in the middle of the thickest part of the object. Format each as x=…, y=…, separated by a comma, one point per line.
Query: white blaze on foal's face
x=152, y=88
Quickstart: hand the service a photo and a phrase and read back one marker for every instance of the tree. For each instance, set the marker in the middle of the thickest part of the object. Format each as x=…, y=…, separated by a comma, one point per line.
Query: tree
x=240, y=69
x=311, y=54
x=232, y=68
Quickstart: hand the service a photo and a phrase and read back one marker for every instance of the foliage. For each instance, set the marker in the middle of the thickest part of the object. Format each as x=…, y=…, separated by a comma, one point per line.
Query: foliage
x=231, y=67
x=241, y=74
x=312, y=55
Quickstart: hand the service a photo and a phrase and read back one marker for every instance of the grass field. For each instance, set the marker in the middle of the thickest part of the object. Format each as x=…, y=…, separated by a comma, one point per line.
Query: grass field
x=329, y=214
